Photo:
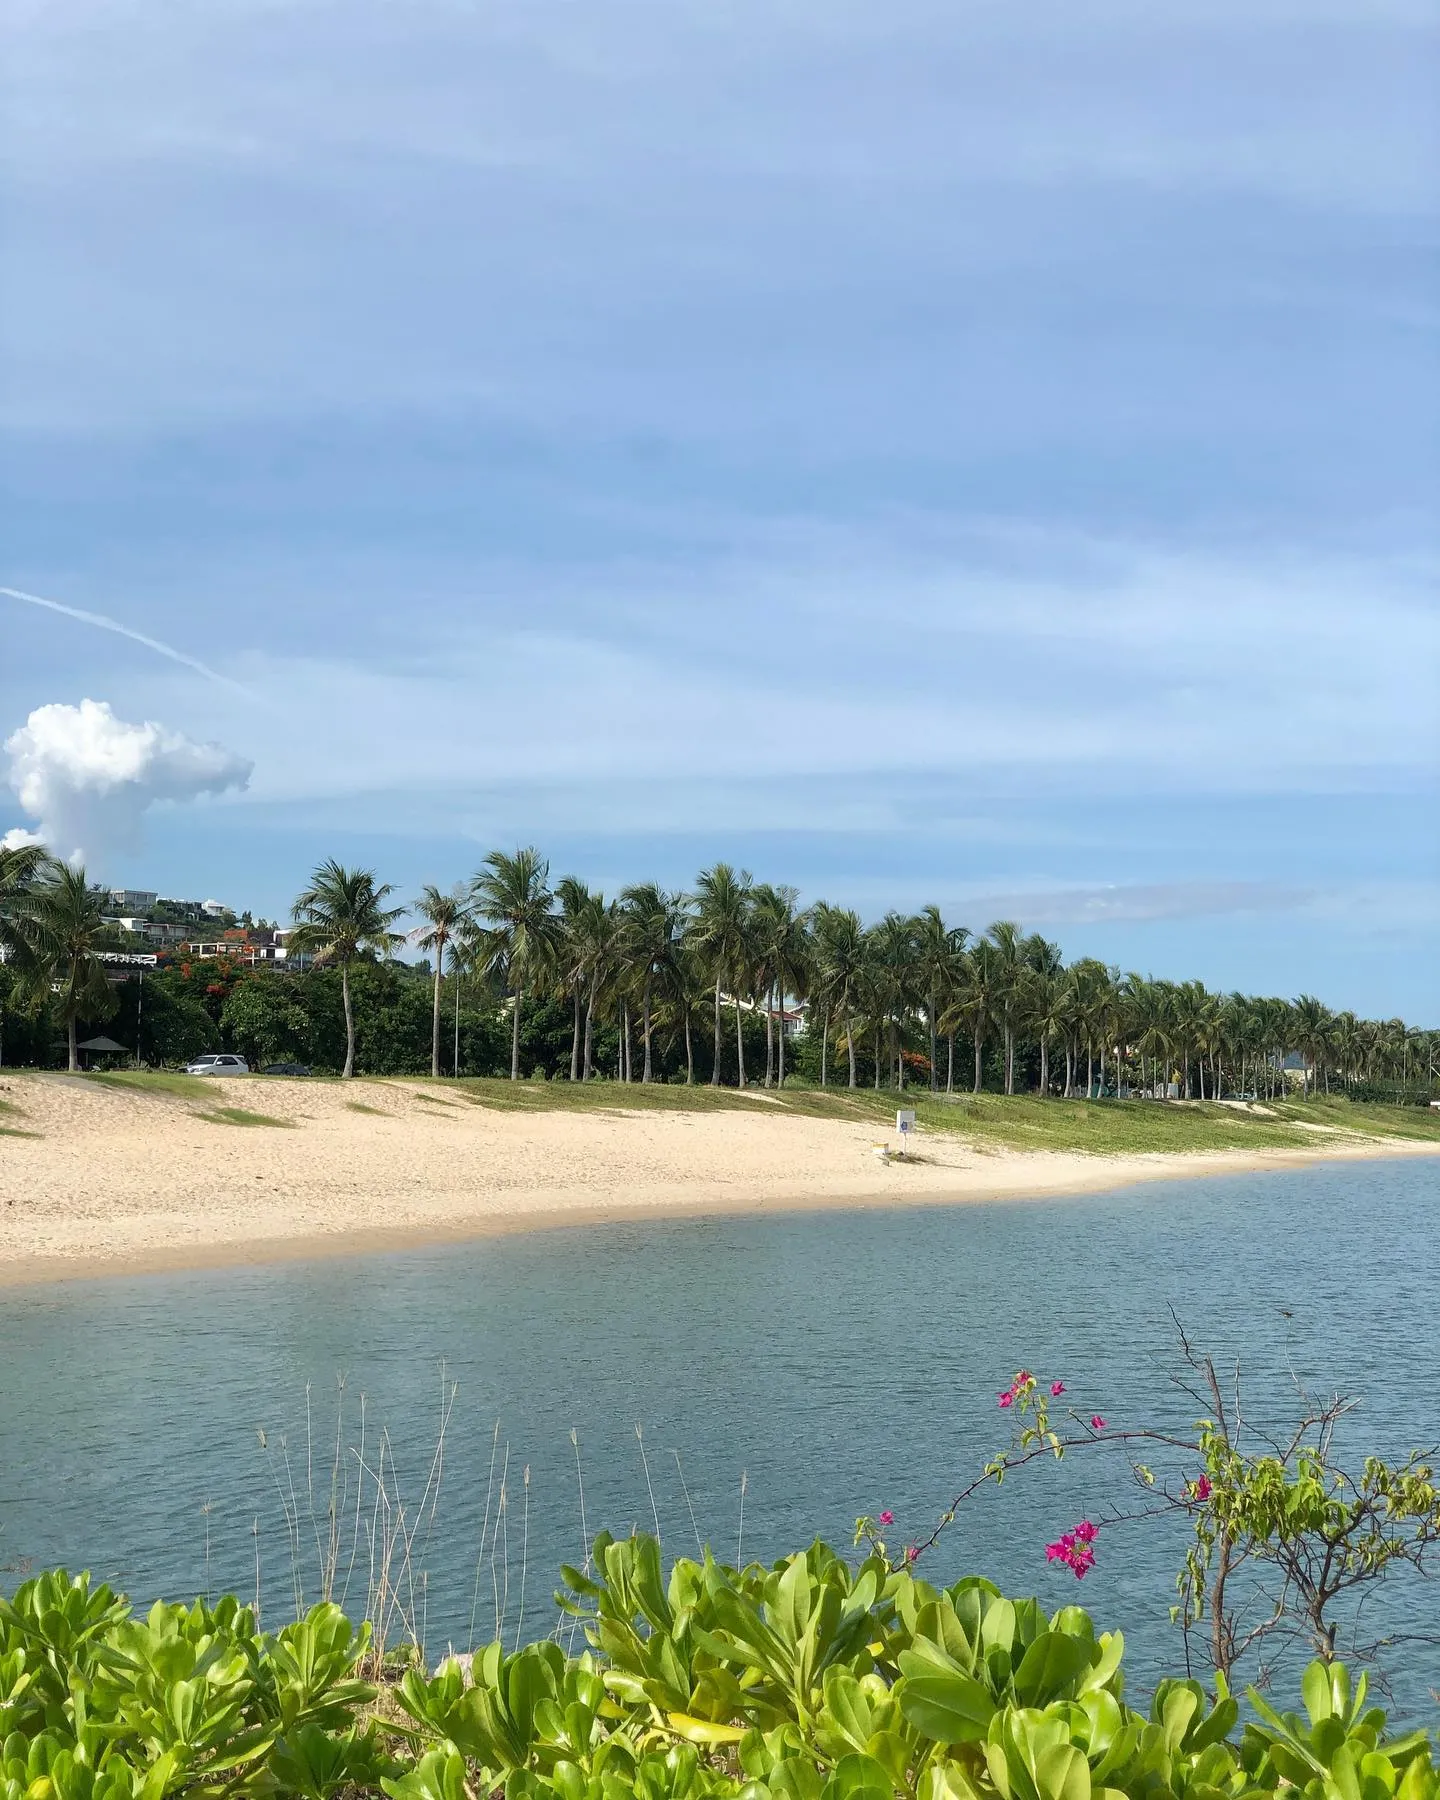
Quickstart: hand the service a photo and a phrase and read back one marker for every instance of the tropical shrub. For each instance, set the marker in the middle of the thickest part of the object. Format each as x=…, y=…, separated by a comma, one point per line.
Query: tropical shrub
x=807, y=1680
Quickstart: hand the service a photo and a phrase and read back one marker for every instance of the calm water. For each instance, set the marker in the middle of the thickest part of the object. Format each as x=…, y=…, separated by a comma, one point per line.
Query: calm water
x=843, y=1363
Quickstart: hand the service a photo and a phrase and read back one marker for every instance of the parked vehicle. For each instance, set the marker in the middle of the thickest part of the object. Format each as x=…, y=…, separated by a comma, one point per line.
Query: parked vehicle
x=218, y=1064
x=285, y=1069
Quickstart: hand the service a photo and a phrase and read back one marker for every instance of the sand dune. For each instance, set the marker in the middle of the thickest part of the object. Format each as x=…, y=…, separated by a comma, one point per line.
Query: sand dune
x=115, y=1178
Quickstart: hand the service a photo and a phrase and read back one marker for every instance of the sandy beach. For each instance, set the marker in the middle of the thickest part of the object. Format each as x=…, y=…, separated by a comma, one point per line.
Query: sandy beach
x=113, y=1179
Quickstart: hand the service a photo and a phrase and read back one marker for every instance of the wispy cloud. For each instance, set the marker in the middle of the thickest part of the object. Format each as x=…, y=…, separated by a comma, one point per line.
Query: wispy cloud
x=104, y=623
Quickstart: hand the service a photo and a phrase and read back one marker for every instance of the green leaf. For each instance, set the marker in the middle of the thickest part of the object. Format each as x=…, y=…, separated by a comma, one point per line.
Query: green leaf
x=859, y=1777
x=1050, y=1668
x=948, y=1708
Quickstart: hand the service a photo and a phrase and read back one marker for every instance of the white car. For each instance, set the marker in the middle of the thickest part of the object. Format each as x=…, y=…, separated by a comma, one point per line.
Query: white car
x=218, y=1065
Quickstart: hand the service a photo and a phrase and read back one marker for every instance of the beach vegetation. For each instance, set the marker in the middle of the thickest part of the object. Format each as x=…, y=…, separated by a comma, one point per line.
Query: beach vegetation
x=54, y=933
x=730, y=984
x=239, y=1115
x=808, y=1679
x=512, y=899
x=340, y=916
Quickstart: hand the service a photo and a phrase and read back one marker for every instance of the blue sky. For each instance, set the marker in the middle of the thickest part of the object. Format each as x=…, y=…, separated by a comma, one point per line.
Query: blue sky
x=940, y=451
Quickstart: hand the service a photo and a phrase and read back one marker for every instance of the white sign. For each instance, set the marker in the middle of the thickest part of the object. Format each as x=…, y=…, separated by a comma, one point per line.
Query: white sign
x=904, y=1122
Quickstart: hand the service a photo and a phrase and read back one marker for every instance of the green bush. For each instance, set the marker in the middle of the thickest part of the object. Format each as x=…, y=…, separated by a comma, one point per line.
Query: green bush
x=809, y=1680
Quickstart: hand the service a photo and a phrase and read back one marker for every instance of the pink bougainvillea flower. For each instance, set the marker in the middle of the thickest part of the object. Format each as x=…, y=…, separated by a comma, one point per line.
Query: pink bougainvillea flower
x=887, y=1518
x=1097, y=1423
x=1007, y=1398
x=1202, y=1488
x=913, y=1554
x=1076, y=1549
x=1056, y=1389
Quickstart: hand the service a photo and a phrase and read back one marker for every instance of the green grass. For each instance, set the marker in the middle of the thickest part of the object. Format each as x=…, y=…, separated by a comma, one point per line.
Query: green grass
x=15, y=1131
x=156, y=1081
x=375, y=1112
x=237, y=1115
x=1024, y=1122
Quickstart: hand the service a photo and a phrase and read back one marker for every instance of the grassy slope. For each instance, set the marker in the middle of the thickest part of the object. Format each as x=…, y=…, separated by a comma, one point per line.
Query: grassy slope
x=1110, y=1127
x=1024, y=1122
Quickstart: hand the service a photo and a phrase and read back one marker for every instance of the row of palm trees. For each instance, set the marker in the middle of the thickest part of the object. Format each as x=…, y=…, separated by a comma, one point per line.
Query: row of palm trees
x=651, y=959
x=736, y=949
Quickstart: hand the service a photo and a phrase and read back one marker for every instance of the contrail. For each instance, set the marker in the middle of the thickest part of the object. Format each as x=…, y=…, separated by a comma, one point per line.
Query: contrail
x=137, y=637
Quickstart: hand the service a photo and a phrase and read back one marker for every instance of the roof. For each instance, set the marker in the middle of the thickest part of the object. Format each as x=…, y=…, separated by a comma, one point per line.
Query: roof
x=104, y=1044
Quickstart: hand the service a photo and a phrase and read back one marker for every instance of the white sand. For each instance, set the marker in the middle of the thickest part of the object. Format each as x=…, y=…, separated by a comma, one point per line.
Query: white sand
x=118, y=1179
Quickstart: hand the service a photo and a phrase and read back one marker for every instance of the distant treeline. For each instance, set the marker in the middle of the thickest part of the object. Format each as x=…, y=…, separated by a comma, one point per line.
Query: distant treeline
x=734, y=982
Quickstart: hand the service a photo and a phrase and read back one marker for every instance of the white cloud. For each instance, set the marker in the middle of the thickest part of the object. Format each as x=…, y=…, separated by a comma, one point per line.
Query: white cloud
x=87, y=778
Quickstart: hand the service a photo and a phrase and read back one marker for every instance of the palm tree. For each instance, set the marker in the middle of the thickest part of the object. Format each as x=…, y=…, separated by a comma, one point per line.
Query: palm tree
x=593, y=945
x=781, y=942
x=1312, y=1028
x=653, y=935
x=979, y=995
x=444, y=916
x=837, y=974
x=894, y=975
x=1040, y=986
x=573, y=896
x=1009, y=968
x=20, y=866
x=938, y=948
x=511, y=894
x=340, y=917
x=721, y=936
x=55, y=931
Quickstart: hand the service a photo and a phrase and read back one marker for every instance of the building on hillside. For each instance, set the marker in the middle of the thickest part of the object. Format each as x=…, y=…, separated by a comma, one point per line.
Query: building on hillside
x=251, y=947
x=133, y=900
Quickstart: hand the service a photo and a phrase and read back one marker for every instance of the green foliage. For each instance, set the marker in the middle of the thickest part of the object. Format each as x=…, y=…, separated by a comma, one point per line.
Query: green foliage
x=809, y=1680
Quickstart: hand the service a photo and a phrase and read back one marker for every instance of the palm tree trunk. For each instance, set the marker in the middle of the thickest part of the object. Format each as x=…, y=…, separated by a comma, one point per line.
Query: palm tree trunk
x=689, y=1050
x=850, y=1046
x=934, y=1049
x=1069, y=1068
x=1044, y=1066
x=824, y=1043
x=1009, y=1059
x=646, y=1075
x=780, y=1044
x=879, y=1052
x=515, y=1036
x=70, y=1034
x=587, y=1066
x=950, y=1064
x=575, y=1039
x=979, y=1048
x=349, y=1068
x=625, y=1030
x=458, y=985
x=739, y=1044
x=435, y=1021
x=715, y=1076
x=769, y=1037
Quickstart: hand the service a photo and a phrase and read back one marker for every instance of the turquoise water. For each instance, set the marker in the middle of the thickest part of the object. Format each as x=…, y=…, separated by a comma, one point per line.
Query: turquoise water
x=842, y=1362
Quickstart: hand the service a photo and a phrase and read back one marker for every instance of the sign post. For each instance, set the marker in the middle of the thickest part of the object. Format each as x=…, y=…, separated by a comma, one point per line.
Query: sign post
x=904, y=1124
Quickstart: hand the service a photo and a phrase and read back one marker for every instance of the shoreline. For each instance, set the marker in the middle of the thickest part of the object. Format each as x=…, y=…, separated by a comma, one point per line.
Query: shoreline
x=139, y=1185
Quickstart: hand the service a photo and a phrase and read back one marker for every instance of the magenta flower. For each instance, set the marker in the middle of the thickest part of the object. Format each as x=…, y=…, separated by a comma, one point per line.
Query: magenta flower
x=913, y=1554
x=1056, y=1389
x=1008, y=1397
x=1202, y=1488
x=1097, y=1423
x=1076, y=1549
x=887, y=1518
